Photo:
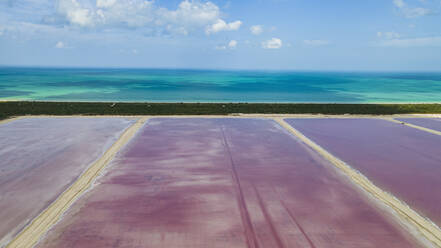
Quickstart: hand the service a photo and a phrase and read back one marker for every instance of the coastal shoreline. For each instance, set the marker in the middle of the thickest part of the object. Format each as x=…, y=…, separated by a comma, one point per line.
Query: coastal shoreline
x=10, y=109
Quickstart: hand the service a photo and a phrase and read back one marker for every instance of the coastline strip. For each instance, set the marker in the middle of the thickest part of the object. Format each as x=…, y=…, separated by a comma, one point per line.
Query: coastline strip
x=414, y=126
x=234, y=115
x=42, y=223
x=427, y=228
x=11, y=119
x=19, y=108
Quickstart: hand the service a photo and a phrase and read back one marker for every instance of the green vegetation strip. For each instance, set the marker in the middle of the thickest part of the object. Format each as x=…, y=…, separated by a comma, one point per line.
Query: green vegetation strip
x=16, y=108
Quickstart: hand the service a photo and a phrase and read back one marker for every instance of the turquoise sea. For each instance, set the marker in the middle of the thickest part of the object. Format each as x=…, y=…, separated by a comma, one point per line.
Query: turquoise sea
x=163, y=85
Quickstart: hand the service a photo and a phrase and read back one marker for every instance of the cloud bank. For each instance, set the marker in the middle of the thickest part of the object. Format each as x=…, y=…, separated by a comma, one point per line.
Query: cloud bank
x=274, y=43
x=60, y=45
x=316, y=42
x=256, y=29
x=388, y=35
x=221, y=25
x=412, y=12
x=231, y=45
x=412, y=42
x=188, y=17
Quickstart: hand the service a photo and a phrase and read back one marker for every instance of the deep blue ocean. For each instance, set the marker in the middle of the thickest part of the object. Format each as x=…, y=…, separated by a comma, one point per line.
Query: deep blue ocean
x=172, y=85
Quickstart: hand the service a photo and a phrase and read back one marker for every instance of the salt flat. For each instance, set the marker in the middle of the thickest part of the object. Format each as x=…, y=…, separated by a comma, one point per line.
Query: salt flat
x=41, y=157
x=399, y=159
x=215, y=181
x=194, y=182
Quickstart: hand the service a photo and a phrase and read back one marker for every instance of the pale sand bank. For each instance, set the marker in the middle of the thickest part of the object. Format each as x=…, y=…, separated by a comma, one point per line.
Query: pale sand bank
x=415, y=126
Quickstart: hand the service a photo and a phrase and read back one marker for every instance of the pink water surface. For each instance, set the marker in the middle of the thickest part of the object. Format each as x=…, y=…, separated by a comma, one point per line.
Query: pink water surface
x=431, y=123
x=41, y=157
x=223, y=183
x=401, y=160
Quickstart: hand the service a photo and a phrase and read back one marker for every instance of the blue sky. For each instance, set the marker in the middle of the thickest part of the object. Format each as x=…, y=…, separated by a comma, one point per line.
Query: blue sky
x=384, y=35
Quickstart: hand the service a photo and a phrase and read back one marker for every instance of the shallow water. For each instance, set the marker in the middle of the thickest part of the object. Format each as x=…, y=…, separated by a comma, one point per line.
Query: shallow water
x=216, y=86
x=41, y=157
x=222, y=183
x=399, y=159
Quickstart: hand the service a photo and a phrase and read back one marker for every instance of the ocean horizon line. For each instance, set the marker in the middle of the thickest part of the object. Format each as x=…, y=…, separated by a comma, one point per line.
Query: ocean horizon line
x=215, y=69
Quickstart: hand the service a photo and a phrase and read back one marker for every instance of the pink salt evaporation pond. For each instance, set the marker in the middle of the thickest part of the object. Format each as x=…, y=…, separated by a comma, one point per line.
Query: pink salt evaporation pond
x=431, y=123
x=189, y=182
x=399, y=159
x=41, y=157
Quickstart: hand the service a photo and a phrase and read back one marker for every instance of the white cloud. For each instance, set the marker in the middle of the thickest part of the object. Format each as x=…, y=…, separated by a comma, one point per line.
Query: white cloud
x=129, y=51
x=416, y=12
x=316, y=42
x=388, y=35
x=399, y=3
x=189, y=13
x=411, y=12
x=60, y=45
x=188, y=17
x=274, y=43
x=232, y=44
x=105, y=3
x=256, y=29
x=75, y=13
x=221, y=25
x=413, y=42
